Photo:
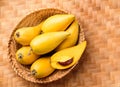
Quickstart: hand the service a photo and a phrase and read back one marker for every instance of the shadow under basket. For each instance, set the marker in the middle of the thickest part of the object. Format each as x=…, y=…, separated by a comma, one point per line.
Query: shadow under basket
x=32, y=20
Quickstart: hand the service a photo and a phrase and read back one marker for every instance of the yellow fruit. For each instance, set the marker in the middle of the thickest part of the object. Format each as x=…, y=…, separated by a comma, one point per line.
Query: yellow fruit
x=41, y=67
x=24, y=35
x=47, y=42
x=25, y=56
x=67, y=57
x=72, y=38
x=57, y=22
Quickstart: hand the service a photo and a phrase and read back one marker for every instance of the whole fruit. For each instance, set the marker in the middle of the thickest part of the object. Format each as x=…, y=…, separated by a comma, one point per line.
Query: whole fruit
x=58, y=22
x=24, y=35
x=47, y=42
x=25, y=56
x=41, y=67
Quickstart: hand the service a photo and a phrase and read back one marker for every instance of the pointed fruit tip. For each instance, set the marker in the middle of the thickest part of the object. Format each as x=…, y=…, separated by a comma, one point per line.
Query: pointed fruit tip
x=85, y=42
x=71, y=15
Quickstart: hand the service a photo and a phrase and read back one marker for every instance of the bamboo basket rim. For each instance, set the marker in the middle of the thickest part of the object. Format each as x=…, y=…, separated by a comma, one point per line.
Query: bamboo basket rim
x=13, y=60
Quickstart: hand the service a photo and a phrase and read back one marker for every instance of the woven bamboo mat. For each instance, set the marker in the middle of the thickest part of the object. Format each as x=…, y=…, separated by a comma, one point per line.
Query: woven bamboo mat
x=100, y=19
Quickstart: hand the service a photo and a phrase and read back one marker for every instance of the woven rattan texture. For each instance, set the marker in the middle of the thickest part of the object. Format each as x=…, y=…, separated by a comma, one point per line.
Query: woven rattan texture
x=100, y=19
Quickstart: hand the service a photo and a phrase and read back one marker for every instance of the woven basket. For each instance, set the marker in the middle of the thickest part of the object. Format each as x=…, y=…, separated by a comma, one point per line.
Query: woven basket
x=32, y=20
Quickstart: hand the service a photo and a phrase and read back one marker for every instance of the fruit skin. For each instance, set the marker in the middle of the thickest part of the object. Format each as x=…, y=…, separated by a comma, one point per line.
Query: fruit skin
x=41, y=67
x=25, y=56
x=24, y=35
x=68, y=53
x=47, y=42
x=72, y=38
x=57, y=22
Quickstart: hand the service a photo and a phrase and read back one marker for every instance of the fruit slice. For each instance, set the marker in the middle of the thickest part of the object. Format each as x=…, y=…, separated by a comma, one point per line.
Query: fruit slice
x=57, y=22
x=25, y=56
x=42, y=67
x=24, y=35
x=47, y=42
x=71, y=55
x=72, y=38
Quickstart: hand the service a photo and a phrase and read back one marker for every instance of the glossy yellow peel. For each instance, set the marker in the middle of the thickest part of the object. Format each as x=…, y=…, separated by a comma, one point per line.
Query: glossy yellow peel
x=47, y=42
x=41, y=67
x=58, y=22
x=24, y=35
x=25, y=56
x=72, y=38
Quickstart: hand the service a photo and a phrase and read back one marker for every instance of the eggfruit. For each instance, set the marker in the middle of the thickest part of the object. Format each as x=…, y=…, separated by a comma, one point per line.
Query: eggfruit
x=42, y=67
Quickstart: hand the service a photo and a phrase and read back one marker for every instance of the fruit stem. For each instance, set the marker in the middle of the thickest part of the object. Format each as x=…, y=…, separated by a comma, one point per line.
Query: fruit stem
x=20, y=56
x=17, y=34
x=33, y=72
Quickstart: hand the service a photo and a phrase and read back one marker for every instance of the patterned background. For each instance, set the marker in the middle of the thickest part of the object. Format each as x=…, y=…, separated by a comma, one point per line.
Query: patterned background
x=100, y=64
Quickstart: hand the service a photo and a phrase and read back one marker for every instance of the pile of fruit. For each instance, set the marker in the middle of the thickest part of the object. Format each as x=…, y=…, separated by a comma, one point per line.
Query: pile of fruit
x=50, y=45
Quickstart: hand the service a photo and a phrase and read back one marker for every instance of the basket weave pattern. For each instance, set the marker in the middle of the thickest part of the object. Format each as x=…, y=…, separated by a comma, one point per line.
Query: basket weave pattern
x=100, y=19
